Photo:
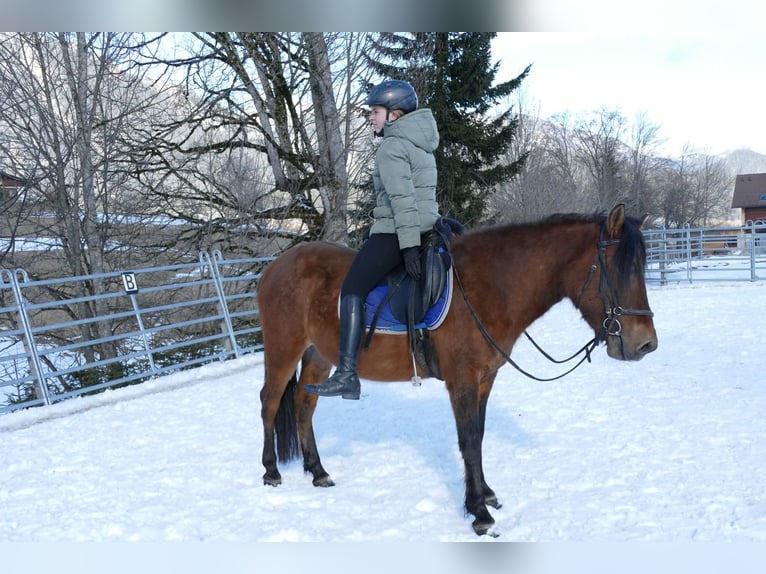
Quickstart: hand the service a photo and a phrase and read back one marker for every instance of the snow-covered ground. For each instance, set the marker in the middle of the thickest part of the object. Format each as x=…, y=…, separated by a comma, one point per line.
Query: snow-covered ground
x=669, y=449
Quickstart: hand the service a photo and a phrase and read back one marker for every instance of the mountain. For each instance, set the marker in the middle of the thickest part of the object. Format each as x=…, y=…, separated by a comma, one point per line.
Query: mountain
x=744, y=161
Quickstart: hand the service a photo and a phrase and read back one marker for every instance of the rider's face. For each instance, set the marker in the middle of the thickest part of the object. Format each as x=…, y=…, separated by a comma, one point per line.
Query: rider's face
x=377, y=117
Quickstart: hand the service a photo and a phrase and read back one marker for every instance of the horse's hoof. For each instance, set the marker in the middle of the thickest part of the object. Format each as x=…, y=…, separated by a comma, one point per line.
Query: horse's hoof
x=481, y=526
x=492, y=501
x=271, y=480
x=323, y=481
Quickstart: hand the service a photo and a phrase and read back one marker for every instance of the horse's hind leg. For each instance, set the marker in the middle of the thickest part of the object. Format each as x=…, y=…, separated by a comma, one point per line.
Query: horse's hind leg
x=269, y=405
x=314, y=369
x=278, y=375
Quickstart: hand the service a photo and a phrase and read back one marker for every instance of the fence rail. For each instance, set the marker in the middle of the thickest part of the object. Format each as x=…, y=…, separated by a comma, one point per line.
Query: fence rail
x=118, y=328
x=65, y=337
x=686, y=255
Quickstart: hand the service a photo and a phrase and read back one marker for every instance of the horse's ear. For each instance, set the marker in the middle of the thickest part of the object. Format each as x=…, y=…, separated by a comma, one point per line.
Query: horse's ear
x=644, y=217
x=615, y=220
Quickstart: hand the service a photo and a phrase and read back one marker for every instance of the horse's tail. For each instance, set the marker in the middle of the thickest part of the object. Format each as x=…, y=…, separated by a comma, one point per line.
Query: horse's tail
x=286, y=429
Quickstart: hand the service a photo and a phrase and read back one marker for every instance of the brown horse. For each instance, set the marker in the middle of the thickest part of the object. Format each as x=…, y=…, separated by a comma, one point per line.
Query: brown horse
x=509, y=277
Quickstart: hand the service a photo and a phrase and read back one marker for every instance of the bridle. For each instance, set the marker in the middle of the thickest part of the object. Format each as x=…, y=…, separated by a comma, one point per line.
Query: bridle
x=612, y=308
x=612, y=313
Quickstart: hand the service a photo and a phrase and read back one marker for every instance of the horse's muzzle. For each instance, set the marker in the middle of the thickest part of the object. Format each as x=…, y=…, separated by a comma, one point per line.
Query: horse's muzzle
x=621, y=348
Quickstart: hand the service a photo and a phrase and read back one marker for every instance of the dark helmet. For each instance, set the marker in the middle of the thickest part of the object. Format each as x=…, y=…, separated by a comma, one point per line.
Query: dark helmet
x=394, y=95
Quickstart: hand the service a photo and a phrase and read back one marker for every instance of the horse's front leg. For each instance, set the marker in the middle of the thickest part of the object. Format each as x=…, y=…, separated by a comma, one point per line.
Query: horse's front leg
x=469, y=407
x=490, y=498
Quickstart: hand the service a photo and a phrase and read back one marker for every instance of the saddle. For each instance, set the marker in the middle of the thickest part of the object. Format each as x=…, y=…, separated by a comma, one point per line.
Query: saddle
x=415, y=307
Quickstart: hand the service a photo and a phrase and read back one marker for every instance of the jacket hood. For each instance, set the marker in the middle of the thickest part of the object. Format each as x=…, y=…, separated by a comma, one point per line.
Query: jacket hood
x=419, y=127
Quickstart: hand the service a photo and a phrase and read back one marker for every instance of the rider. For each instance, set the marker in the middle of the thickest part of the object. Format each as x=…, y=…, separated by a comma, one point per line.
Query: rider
x=405, y=207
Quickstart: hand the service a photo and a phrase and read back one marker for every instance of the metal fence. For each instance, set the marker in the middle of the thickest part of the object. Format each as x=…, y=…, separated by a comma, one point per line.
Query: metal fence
x=686, y=254
x=65, y=337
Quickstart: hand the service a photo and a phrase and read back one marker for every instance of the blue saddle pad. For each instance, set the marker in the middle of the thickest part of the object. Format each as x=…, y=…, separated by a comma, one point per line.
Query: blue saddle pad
x=388, y=323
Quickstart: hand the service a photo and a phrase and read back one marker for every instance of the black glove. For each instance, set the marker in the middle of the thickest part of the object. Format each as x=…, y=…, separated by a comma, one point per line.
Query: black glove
x=411, y=256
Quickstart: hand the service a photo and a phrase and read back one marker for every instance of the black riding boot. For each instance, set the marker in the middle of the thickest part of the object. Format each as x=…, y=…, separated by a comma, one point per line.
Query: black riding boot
x=345, y=381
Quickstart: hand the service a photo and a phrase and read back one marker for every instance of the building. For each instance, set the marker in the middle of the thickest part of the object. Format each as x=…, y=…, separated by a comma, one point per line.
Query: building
x=10, y=186
x=750, y=196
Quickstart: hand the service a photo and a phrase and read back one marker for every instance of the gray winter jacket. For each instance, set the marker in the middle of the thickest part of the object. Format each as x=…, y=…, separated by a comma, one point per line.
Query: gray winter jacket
x=405, y=178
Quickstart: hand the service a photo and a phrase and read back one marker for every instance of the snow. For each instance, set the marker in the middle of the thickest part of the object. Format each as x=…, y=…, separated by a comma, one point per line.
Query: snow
x=668, y=449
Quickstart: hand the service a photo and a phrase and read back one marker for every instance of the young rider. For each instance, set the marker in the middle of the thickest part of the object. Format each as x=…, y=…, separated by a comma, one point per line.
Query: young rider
x=404, y=179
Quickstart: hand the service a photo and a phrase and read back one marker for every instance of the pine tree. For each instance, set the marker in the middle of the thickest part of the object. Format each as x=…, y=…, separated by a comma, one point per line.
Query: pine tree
x=453, y=75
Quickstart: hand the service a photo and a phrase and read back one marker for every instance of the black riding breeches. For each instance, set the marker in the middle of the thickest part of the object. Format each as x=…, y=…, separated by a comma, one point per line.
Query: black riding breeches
x=379, y=255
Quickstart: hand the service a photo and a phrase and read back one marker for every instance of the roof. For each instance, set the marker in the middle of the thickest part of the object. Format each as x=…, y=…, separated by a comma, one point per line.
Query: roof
x=750, y=190
x=12, y=179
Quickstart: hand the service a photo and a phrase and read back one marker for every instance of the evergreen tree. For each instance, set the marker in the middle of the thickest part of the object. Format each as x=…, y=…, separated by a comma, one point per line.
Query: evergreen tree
x=453, y=75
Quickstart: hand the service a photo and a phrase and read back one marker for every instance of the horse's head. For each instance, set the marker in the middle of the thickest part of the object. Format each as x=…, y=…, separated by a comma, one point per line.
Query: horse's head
x=614, y=299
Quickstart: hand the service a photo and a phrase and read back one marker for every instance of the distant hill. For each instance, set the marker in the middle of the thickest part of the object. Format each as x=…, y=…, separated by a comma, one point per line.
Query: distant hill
x=744, y=161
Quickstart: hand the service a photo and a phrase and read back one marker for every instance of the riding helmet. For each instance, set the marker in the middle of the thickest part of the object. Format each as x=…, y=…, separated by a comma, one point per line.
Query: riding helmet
x=394, y=95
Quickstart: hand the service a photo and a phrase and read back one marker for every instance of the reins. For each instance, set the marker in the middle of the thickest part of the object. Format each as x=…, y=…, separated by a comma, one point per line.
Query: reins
x=587, y=348
x=612, y=312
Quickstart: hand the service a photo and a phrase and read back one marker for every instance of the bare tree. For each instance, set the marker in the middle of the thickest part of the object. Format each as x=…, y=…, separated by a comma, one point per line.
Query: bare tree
x=546, y=182
x=598, y=146
x=553, y=178
x=711, y=190
x=644, y=165
x=562, y=167
x=284, y=98
x=678, y=200
x=332, y=175
x=75, y=105
x=585, y=166
x=69, y=101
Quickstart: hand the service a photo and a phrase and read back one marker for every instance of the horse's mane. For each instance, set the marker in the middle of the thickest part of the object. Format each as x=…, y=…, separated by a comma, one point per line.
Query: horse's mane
x=567, y=218
x=630, y=257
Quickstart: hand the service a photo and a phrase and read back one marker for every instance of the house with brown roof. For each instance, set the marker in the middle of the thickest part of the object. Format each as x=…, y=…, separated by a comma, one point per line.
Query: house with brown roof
x=750, y=196
x=10, y=186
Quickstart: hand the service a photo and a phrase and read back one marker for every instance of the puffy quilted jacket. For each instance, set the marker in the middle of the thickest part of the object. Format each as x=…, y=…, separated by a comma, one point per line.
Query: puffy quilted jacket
x=405, y=178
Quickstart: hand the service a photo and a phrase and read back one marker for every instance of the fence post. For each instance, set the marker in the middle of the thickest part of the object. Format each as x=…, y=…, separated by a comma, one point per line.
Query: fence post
x=131, y=289
x=212, y=263
x=753, y=275
x=663, y=258
x=689, y=255
x=30, y=348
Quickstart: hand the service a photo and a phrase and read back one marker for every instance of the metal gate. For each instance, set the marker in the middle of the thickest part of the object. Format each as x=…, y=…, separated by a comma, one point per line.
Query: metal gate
x=70, y=336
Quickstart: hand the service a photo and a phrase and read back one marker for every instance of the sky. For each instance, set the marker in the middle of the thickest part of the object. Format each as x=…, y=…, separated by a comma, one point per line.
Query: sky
x=668, y=454
x=694, y=68
x=706, y=89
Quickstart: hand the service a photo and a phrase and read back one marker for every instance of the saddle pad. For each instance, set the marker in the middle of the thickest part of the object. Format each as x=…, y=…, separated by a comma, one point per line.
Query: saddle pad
x=387, y=323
